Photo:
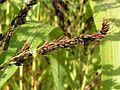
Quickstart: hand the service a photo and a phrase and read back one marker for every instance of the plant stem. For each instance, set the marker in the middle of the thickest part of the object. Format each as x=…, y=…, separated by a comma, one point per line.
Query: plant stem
x=33, y=77
x=86, y=72
x=21, y=76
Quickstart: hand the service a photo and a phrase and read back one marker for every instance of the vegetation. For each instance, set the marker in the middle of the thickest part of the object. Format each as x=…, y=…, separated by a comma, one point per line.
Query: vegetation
x=59, y=45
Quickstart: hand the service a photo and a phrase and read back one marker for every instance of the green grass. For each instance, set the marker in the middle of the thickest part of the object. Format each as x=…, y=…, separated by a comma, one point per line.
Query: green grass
x=66, y=68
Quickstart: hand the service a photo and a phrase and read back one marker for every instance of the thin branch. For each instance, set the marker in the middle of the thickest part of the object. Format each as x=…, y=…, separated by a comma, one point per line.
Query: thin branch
x=93, y=82
x=66, y=42
x=18, y=20
x=56, y=44
x=61, y=10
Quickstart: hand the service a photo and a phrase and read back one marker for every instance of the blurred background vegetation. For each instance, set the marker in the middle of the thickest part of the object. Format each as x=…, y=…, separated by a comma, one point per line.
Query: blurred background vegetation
x=83, y=67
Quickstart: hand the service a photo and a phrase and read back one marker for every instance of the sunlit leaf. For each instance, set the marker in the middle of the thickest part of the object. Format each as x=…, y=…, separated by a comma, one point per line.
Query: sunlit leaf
x=110, y=46
x=35, y=33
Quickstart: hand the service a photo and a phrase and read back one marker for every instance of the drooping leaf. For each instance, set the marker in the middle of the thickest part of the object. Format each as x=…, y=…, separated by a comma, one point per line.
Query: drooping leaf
x=57, y=59
x=35, y=33
x=110, y=46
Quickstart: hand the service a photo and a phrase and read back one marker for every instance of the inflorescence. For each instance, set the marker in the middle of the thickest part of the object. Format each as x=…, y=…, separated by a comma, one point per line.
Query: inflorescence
x=56, y=44
x=18, y=20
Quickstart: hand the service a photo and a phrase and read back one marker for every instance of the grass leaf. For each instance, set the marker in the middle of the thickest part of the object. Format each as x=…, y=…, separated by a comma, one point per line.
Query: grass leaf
x=34, y=32
x=110, y=46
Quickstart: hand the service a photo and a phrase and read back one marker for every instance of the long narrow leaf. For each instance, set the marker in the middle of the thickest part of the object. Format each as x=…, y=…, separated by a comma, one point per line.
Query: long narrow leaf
x=110, y=46
x=34, y=32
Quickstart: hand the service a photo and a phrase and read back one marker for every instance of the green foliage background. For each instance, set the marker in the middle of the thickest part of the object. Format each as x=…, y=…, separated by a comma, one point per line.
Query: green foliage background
x=64, y=69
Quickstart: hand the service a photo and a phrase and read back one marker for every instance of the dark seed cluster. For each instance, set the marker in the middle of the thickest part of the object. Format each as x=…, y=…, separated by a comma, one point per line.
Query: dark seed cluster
x=61, y=9
x=105, y=27
x=59, y=43
x=66, y=42
x=21, y=55
x=18, y=20
x=21, y=17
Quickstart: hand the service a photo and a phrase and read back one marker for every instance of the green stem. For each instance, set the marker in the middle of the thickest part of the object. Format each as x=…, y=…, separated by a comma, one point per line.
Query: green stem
x=21, y=76
x=33, y=77
x=86, y=72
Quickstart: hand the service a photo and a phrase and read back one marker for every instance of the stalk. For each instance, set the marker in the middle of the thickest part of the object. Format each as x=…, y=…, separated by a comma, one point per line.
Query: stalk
x=33, y=77
x=21, y=76
x=86, y=72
